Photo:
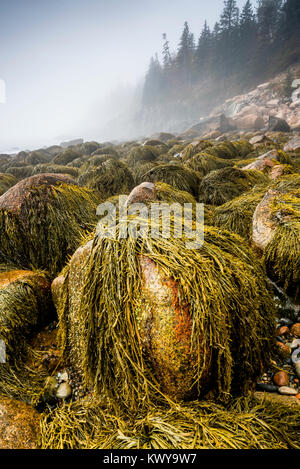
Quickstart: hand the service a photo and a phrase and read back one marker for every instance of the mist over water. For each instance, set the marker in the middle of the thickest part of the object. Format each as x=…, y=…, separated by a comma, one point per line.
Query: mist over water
x=73, y=68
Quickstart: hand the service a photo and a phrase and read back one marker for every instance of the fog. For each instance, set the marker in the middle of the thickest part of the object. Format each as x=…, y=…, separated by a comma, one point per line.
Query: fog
x=72, y=66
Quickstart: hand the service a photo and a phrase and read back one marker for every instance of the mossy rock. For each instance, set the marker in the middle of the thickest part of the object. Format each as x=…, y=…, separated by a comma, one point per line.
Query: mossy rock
x=66, y=156
x=6, y=181
x=194, y=148
x=19, y=425
x=20, y=172
x=143, y=153
x=177, y=176
x=109, y=178
x=42, y=221
x=237, y=214
x=25, y=306
x=222, y=185
x=56, y=169
x=204, y=163
x=120, y=302
x=107, y=150
x=38, y=157
x=276, y=232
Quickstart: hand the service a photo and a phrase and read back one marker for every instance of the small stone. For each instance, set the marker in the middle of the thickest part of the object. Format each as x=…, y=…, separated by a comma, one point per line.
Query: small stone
x=297, y=369
x=283, y=349
x=295, y=344
x=281, y=378
x=295, y=329
x=285, y=322
x=287, y=391
x=266, y=387
x=283, y=330
x=296, y=356
x=63, y=375
x=64, y=391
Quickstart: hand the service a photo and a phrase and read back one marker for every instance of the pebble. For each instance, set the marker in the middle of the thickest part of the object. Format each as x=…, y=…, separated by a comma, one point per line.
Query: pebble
x=283, y=330
x=281, y=378
x=62, y=376
x=285, y=322
x=296, y=356
x=64, y=391
x=284, y=350
x=295, y=329
x=295, y=344
x=266, y=387
x=286, y=391
x=297, y=369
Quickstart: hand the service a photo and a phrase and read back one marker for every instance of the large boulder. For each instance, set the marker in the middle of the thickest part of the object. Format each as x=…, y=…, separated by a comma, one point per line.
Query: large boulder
x=249, y=122
x=278, y=125
x=292, y=145
x=42, y=221
x=276, y=234
x=132, y=311
x=19, y=425
x=25, y=307
x=266, y=161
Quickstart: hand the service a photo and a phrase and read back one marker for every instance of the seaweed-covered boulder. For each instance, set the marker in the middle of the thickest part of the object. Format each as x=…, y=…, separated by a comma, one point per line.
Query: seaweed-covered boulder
x=42, y=221
x=25, y=307
x=194, y=148
x=109, y=178
x=38, y=156
x=19, y=425
x=276, y=232
x=139, y=315
x=204, y=163
x=143, y=153
x=222, y=185
x=66, y=156
x=177, y=176
x=6, y=181
x=20, y=172
x=150, y=192
x=56, y=169
x=237, y=215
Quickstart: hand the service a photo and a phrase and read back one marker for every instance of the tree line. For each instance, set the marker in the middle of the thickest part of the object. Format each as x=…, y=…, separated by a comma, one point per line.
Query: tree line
x=243, y=45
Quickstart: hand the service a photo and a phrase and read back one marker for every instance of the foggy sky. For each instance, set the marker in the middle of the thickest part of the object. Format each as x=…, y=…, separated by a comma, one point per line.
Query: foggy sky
x=60, y=58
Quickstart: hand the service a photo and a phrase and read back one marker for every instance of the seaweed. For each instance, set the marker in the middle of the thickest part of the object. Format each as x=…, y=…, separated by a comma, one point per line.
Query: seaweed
x=222, y=185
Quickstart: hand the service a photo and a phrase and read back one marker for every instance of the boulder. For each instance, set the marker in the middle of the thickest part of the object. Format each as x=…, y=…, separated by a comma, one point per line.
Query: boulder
x=19, y=425
x=142, y=193
x=259, y=139
x=250, y=121
x=278, y=125
x=263, y=224
x=267, y=160
x=43, y=219
x=292, y=145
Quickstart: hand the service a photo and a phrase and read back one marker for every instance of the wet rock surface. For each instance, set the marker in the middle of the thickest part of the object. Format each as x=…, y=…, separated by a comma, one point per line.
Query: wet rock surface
x=19, y=425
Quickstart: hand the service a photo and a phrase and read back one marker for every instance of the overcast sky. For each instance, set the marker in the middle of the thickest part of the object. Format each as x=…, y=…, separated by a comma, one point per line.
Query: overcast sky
x=59, y=58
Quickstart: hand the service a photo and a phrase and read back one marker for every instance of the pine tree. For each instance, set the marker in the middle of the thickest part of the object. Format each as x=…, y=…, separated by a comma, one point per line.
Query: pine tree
x=185, y=53
x=203, y=52
x=167, y=60
x=268, y=17
x=153, y=82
